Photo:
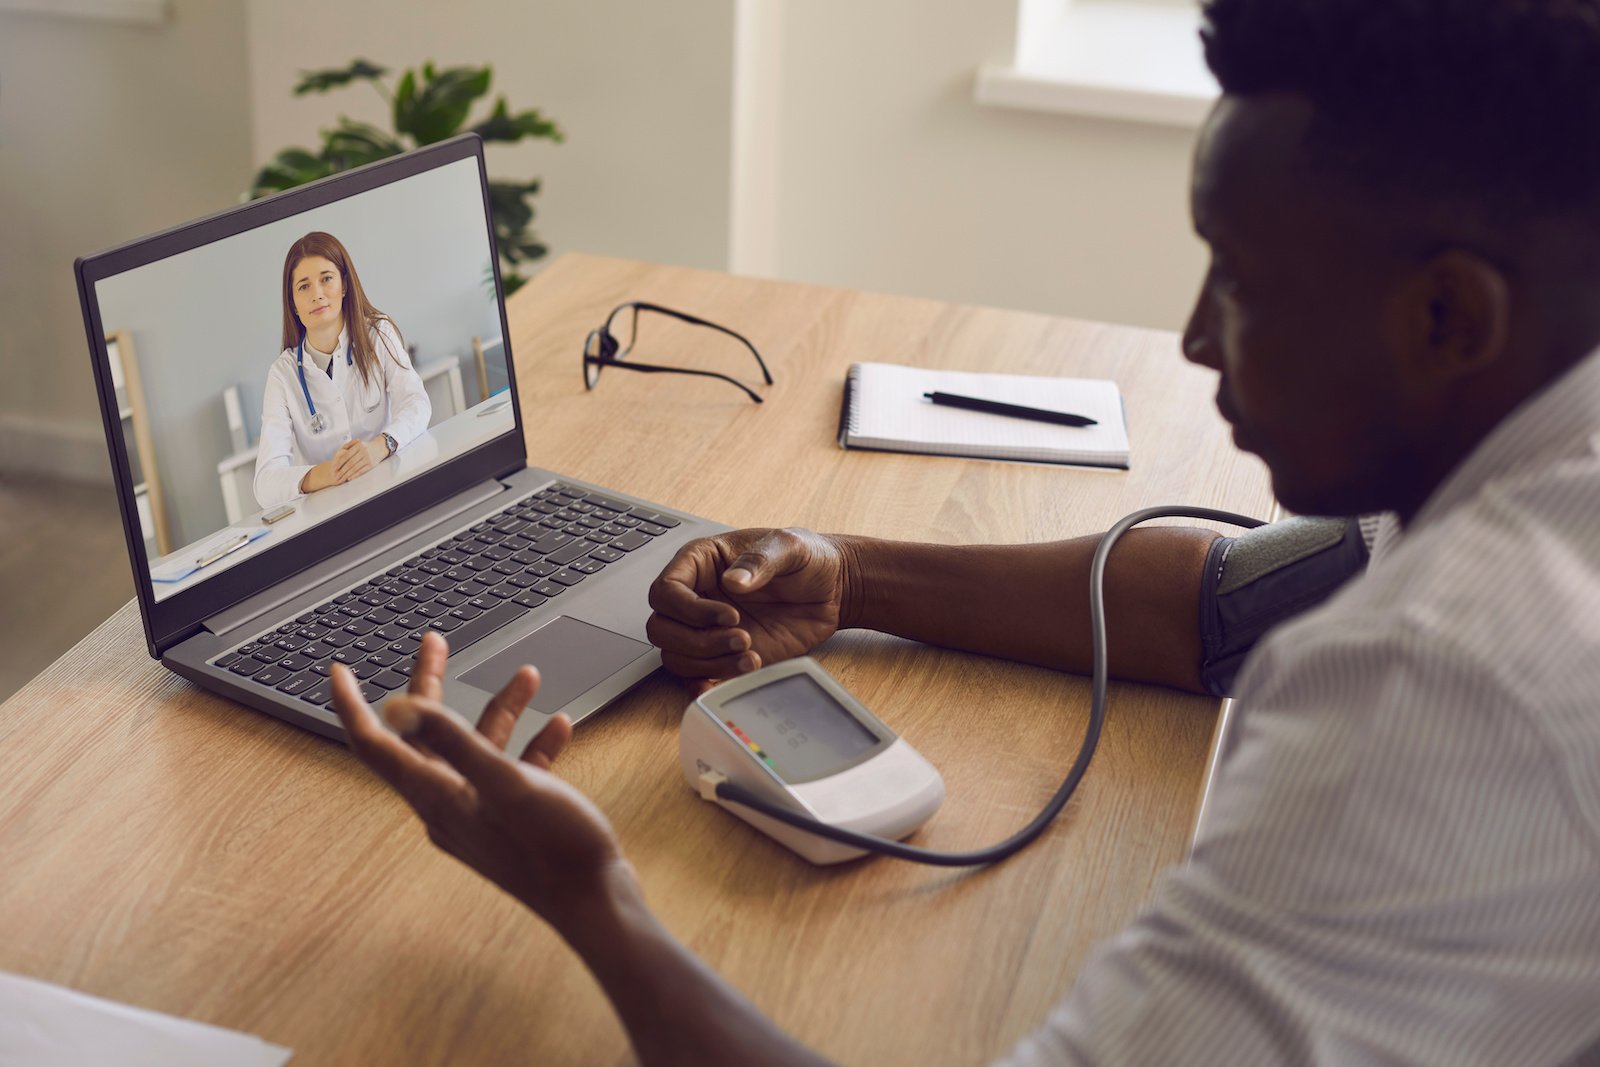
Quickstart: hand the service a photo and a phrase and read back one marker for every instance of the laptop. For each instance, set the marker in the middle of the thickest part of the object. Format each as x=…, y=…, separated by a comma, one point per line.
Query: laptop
x=253, y=580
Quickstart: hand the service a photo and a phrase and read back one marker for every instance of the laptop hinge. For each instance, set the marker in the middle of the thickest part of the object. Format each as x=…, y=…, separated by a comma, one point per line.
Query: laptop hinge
x=380, y=544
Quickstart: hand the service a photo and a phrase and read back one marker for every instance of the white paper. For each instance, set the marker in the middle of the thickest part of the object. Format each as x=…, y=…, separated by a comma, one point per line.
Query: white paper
x=44, y=1025
x=889, y=412
x=187, y=561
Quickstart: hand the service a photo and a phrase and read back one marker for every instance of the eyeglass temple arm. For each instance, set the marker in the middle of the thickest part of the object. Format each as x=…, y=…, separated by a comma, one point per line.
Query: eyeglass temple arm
x=685, y=317
x=650, y=368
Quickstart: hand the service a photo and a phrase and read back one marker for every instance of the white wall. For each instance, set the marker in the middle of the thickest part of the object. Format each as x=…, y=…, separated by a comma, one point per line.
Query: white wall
x=893, y=179
x=107, y=131
x=642, y=90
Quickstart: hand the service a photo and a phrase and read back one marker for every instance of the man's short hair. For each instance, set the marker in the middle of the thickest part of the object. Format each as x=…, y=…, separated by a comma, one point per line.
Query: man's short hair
x=1494, y=103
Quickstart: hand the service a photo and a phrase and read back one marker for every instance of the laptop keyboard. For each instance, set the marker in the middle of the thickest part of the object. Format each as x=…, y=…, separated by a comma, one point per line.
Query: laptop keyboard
x=466, y=587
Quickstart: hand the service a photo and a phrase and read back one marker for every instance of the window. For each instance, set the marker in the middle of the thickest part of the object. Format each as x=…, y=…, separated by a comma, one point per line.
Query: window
x=1138, y=60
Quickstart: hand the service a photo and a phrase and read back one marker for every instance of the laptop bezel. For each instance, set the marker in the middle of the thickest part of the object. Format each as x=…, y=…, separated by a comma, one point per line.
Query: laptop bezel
x=178, y=617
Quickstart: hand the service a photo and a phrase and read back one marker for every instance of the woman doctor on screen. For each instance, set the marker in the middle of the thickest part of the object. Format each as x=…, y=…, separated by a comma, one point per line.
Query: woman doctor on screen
x=342, y=397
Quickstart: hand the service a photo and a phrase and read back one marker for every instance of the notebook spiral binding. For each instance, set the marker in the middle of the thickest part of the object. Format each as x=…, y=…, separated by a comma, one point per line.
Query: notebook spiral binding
x=848, y=423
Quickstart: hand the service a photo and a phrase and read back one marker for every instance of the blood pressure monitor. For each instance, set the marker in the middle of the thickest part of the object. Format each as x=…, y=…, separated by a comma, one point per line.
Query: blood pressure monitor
x=792, y=736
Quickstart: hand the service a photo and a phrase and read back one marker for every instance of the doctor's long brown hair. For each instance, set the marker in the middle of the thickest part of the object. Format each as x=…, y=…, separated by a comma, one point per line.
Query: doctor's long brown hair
x=361, y=319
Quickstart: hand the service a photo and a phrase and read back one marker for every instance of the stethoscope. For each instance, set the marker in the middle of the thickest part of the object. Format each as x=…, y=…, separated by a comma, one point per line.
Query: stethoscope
x=318, y=422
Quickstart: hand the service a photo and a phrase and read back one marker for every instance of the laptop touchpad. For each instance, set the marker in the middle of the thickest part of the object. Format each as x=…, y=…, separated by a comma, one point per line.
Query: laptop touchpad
x=573, y=657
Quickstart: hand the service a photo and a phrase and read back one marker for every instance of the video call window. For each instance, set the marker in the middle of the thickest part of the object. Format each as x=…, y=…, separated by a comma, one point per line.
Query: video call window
x=275, y=378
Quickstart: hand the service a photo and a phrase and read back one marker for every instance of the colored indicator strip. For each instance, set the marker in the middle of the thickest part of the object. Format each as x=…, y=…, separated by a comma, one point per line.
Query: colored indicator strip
x=740, y=734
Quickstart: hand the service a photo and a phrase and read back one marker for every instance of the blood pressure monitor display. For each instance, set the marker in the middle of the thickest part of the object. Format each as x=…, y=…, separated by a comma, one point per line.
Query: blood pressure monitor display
x=799, y=728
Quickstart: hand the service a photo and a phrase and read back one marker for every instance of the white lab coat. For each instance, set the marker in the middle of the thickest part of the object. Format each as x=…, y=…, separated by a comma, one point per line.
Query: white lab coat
x=394, y=402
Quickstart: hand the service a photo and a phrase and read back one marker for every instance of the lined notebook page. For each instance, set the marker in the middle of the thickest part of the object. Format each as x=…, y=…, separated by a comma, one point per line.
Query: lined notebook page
x=885, y=409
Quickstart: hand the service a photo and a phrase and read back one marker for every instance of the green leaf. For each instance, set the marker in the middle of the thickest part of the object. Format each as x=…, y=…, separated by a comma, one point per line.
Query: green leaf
x=508, y=203
x=439, y=108
x=354, y=144
x=511, y=281
x=404, y=101
x=289, y=168
x=501, y=125
x=522, y=249
x=512, y=214
x=320, y=81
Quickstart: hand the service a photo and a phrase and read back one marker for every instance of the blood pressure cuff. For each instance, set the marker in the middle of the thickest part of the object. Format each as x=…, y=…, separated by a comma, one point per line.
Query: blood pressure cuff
x=1267, y=576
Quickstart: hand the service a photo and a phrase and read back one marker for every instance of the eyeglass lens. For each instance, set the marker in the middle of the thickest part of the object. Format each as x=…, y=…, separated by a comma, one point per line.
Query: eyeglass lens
x=624, y=329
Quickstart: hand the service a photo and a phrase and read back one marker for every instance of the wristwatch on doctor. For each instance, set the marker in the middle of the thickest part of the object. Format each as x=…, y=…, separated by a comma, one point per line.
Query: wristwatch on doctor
x=390, y=441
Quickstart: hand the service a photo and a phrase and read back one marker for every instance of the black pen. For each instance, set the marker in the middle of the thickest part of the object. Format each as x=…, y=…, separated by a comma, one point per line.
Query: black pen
x=1016, y=411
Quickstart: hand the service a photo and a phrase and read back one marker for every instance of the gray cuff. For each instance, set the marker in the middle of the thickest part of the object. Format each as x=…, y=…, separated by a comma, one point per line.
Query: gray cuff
x=1264, y=577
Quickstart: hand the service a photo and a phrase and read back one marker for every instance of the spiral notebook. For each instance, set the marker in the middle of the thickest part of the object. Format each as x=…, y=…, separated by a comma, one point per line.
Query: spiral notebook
x=884, y=410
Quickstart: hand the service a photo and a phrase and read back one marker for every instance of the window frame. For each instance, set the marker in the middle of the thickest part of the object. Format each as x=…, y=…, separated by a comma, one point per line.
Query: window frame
x=1133, y=60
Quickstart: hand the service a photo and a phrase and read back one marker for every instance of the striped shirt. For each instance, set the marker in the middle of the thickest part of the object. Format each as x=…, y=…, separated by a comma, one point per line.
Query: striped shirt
x=1400, y=858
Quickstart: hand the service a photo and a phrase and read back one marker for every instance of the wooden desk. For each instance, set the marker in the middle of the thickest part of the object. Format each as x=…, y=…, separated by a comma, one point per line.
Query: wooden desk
x=167, y=848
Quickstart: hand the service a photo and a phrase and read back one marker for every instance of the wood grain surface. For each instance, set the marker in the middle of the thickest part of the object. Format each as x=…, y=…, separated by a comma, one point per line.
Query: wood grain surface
x=164, y=847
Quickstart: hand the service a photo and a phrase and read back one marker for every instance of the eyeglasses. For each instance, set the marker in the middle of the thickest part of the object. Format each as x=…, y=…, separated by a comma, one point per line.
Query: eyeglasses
x=604, y=348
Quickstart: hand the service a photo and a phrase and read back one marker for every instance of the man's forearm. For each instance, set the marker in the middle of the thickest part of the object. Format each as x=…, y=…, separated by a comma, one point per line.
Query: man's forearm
x=1031, y=602
x=676, y=1009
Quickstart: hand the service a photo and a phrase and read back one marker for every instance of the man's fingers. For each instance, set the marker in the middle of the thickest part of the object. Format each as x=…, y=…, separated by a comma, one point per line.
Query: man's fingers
x=395, y=762
x=447, y=735
x=673, y=636
x=720, y=667
x=757, y=565
x=427, y=673
x=548, y=743
x=500, y=715
x=673, y=592
x=352, y=708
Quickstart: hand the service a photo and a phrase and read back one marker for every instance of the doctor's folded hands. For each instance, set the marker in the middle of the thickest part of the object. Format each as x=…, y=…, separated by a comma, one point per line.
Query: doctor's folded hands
x=342, y=396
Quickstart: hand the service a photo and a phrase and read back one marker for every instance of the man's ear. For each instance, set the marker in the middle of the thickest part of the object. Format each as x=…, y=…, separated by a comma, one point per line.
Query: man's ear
x=1453, y=317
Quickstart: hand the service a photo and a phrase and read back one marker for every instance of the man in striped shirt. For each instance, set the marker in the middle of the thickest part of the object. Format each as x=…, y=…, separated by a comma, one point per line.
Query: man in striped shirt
x=1401, y=858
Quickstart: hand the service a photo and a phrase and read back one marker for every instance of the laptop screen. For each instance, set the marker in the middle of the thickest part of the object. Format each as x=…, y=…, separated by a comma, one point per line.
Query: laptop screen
x=277, y=377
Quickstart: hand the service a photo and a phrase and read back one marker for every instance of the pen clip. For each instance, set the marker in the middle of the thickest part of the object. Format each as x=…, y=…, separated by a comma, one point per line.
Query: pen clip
x=224, y=549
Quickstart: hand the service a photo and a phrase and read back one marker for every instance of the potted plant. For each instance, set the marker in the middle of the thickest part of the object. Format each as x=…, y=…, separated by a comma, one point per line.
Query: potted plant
x=427, y=105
